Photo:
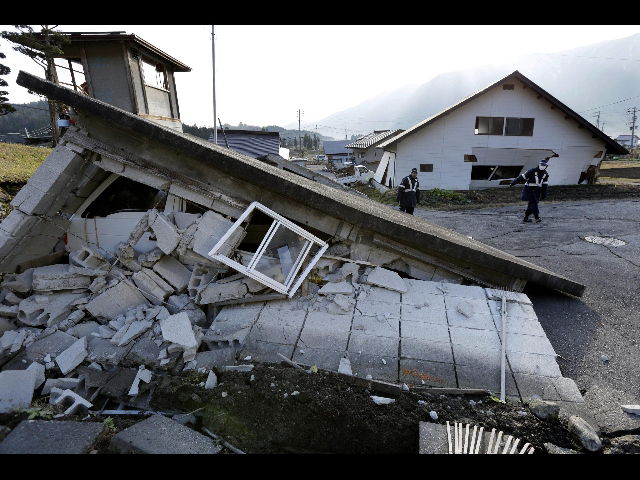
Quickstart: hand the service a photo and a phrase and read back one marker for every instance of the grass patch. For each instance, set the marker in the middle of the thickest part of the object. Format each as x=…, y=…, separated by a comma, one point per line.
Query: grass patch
x=18, y=162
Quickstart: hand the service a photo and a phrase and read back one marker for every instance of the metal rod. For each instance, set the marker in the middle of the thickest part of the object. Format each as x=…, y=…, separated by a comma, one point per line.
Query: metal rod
x=504, y=349
x=213, y=62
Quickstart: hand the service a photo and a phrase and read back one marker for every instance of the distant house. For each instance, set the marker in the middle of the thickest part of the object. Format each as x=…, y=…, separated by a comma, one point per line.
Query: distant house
x=337, y=151
x=253, y=143
x=625, y=140
x=494, y=135
x=366, y=149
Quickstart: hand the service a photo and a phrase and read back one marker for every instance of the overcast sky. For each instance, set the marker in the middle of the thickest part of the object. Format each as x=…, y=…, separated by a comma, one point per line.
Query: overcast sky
x=264, y=74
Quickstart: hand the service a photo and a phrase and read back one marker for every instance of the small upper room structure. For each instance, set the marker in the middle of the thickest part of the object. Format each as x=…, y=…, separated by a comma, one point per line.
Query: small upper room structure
x=125, y=71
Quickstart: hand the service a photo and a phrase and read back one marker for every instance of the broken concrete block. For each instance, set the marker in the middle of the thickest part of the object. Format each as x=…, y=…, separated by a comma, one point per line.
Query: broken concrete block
x=177, y=329
x=84, y=329
x=48, y=310
x=149, y=258
x=6, y=325
x=142, y=375
x=237, y=368
x=159, y=434
x=115, y=300
x=166, y=233
x=16, y=389
x=12, y=299
x=171, y=270
x=47, y=437
x=219, y=292
x=337, y=288
x=130, y=332
x=585, y=433
x=200, y=278
x=19, y=283
x=98, y=284
x=75, y=401
x=90, y=258
x=185, y=220
x=10, y=311
x=384, y=278
x=51, y=345
x=72, y=356
x=58, y=277
x=152, y=286
x=60, y=383
x=345, y=366
x=345, y=303
x=211, y=227
x=212, y=381
x=39, y=371
x=350, y=270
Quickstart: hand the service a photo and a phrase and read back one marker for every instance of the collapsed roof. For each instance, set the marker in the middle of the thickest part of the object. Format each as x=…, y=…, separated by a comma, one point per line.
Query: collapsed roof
x=227, y=182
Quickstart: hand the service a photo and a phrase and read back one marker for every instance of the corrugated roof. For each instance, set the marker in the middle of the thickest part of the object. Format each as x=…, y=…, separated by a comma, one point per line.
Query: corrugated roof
x=252, y=143
x=373, y=138
x=613, y=146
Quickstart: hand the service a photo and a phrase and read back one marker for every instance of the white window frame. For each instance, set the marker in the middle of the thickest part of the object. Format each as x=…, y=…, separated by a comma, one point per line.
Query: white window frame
x=292, y=282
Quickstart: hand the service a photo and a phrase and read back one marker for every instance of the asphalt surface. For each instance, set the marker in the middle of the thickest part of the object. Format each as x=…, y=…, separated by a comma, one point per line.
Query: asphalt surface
x=598, y=335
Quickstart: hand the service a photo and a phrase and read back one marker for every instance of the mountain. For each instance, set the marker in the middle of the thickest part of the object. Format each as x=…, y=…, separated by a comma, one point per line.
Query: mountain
x=596, y=75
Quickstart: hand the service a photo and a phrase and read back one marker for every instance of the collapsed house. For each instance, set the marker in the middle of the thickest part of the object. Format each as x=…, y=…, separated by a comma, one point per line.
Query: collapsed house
x=136, y=249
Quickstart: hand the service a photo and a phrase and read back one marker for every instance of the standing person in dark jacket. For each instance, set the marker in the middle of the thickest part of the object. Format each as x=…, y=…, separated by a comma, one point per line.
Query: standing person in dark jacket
x=409, y=192
x=535, y=188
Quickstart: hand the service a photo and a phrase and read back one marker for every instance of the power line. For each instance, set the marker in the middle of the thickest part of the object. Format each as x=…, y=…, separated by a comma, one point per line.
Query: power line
x=590, y=57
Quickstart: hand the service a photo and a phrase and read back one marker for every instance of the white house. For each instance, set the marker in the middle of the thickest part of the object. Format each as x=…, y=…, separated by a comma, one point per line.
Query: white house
x=492, y=136
x=625, y=140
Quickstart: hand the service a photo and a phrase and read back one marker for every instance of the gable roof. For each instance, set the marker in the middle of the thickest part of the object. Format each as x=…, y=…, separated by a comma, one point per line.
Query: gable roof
x=612, y=145
x=335, y=147
x=373, y=138
x=200, y=158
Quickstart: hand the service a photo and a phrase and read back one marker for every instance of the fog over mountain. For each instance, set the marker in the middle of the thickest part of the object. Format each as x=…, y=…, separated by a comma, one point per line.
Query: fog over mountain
x=583, y=78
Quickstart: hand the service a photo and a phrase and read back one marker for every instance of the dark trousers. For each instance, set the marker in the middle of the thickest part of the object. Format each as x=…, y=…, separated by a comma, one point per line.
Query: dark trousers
x=408, y=210
x=532, y=207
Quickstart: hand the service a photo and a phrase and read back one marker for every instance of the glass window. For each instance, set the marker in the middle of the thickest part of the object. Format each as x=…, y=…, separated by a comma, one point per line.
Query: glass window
x=519, y=126
x=489, y=125
x=154, y=75
x=506, y=171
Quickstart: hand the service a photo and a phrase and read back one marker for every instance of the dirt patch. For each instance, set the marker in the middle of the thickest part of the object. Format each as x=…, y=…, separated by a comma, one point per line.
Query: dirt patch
x=331, y=415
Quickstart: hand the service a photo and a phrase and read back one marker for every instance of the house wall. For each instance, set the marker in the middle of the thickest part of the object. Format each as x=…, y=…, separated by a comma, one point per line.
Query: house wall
x=445, y=142
x=108, y=74
x=368, y=156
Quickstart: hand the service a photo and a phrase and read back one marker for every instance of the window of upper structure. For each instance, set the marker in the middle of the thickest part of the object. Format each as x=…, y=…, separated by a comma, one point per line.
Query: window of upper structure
x=154, y=75
x=489, y=125
x=522, y=127
x=71, y=73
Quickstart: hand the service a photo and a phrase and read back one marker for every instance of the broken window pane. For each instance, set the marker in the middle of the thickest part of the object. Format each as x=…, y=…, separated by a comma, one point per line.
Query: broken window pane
x=507, y=171
x=519, y=126
x=481, y=172
x=154, y=75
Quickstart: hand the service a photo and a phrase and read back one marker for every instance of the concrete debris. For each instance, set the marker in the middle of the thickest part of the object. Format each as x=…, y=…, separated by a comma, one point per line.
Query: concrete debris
x=166, y=233
x=72, y=356
x=47, y=437
x=69, y=397
x=237, y=368
x=382, y=400
x=115, y=300
x=212, y=381
x=58, y=277
x=173, y=272
x=345, y=367
x=60, y=383
x=178, y=330
x=433, y=414
x=634, y=409
x=16, y=389
x=388, y=279
x=152, y=285
x=142, y=375
x=336, y=288
x=585, y=433
x=39, y=371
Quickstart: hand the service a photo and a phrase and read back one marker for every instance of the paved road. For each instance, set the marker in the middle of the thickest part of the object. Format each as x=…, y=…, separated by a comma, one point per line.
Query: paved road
x=597, y=335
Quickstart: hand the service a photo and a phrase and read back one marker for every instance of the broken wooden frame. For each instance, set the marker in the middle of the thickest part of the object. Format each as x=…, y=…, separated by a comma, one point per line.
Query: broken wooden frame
x=292, y=280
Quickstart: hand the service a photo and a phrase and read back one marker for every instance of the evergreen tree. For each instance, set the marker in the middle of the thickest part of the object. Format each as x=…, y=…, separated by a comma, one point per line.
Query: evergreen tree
x=41, y=47
x=5, y=107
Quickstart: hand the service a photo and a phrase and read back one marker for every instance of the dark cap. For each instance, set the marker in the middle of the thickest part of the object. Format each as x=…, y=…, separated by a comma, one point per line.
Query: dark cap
x=414, y=170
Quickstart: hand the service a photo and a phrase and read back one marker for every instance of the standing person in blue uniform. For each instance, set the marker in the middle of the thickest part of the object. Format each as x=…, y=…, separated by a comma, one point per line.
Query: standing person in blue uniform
x=409, y=192
x=535, y=188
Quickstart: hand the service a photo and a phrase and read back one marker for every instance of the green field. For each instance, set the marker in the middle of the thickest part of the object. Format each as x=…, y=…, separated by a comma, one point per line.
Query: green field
x=18, y=162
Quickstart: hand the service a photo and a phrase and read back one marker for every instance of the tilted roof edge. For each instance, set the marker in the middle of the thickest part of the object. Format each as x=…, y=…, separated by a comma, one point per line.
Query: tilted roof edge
x=363, y=212
x=614, y=146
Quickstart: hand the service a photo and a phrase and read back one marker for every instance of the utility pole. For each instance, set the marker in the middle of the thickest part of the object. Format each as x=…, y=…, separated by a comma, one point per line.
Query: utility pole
x=632, y=111
x=213, y=61
x=598, y=120
x=299, y=133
